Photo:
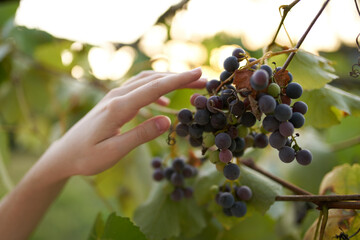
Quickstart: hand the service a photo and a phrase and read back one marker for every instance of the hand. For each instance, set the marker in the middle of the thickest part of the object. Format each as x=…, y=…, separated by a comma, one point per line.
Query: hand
x=95, y=143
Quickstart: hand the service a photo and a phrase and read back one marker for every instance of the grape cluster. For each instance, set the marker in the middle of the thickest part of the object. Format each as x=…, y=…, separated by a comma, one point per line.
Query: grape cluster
x=176, y=175
x=225, y=122
x=233, y=200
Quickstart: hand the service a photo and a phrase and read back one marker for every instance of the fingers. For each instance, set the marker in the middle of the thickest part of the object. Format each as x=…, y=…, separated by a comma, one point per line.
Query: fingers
x=153, y=90
x=118, y=146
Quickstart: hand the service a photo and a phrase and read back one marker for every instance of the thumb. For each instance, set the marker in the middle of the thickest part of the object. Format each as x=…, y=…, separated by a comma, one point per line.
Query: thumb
x=146, y=131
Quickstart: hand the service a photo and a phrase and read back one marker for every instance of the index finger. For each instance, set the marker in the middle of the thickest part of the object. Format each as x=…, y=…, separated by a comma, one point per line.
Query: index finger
x=153, y=90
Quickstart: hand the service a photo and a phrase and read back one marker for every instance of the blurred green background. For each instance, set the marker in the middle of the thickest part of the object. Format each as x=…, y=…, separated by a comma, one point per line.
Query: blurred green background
x=48, y=83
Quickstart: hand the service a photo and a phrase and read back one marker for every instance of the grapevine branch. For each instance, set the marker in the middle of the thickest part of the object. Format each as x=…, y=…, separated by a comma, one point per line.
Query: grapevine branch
x=291, y=56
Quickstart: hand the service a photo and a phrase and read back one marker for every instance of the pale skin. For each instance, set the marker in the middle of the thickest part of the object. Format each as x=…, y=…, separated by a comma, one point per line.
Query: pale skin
x=92, y=145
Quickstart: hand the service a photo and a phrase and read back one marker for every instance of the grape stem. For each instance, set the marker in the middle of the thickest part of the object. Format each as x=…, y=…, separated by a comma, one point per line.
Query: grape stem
x=291, y=56
x=325, y=211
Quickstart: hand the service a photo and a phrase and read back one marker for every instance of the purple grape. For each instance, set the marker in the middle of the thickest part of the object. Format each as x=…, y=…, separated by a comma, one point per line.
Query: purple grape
x=300, y=107
x=223, y=140
x=182, y=129
x=237, y=107
x=212, y=85
x=225, y=155
x=196, y=130
x=287, y=154
x=239, y=53
x=294, y=90
x=177, y=179
x=200, y=102
x=214, y=103
x=261, y=140
x=185, y=116
x=196, y=142
x=158, y=174
x=238, y=209
x=188, y=171
x=225, y=75
x=248, y=119
x=240, y=144
x=231, y=64
x=244, y=193
x=156, y=162
x=267, y=68
x=277, y=140
x=286, y=129
x=188, y=192
x=218, y=120
x=259, y=80
x=227, y=95
x=304, y=157
x=168, y=172
x=297, y=119
x=231, y=171
x=177, y=194
x=270, y=123
x=202, y=116
x=283, y=112
x=226, y=199
x=267, y=104
x=178, y=164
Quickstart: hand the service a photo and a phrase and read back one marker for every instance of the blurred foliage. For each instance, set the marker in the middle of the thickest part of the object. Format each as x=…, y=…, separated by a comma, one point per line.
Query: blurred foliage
x=40, y=99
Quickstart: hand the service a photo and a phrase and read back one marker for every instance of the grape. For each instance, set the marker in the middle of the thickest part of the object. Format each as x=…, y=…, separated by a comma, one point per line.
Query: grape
x=239, y=53
x=226, y=96
x=253, y=60
x=225, y=155
x=287, y=154
x=177, y=194
x=188, y=192
x=200, y=102
x=214, y=157
x=297, y=119
x=227, y=212
x=233, y=132
x=223, y=140
x=212, y=85
x=178, y=164
x=270, y=123
x=277, y=140
x=168, y=172
x=218, y=120
x=188, y=171
x=304, y=157
x=274, y=89
x=182, y=129
x=291, y=77
x=267, y=68
x=209, y=128
x=282, y=112
x=177, y=179
x=248, y=119
x=156, y=162
x=225, y=75
x=231, y=64
x=249, y=141
x=238, y=153
x=196, y=130
x=193, y=97
x=185, y=116
x=209, y=140
x=238, y=209
x=231, y=171
x=259, y=80
x=158, y=174
x=286, y=129
x=243, y=131
x=261, y=140
x=240, y=144
x=202, y=116
x=300, y=107
x=195, y=142
x=294, y=90
x=214, y=103
x=226, y=199
x=267, y=104
x=244, y=193
x=237, y=107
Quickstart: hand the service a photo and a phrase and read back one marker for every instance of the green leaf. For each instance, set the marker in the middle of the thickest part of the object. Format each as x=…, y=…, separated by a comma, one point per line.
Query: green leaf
x=326, y=106
x=7, y=10
x=309, y=70
x=98, y=228
x=343, y=179
x=264, y=190
x=5, y=49
x=50, y=55
x=161, y=218
x=117, y=227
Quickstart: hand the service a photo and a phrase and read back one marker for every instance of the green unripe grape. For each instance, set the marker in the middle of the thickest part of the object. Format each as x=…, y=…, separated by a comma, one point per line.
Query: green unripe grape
x=249, y=141
x=208, y=140
x=214, y=157
x=243, y=131
x=220, y=166
x=273, y=89
x=214, y=189
x=232, y=119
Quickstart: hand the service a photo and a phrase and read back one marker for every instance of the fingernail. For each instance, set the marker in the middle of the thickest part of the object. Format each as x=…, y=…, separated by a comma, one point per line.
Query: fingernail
x=162, y=124
x=196, y=70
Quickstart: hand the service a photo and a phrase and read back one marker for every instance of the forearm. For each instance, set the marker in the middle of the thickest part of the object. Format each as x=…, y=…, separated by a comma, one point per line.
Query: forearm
x=23, y=208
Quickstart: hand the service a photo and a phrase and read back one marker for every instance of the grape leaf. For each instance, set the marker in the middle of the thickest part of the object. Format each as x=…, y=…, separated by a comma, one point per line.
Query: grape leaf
x=309, y=70
x=344, y=179
x=264, y=190
x=327, y=106
x=161, y=218
x=98, y=228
